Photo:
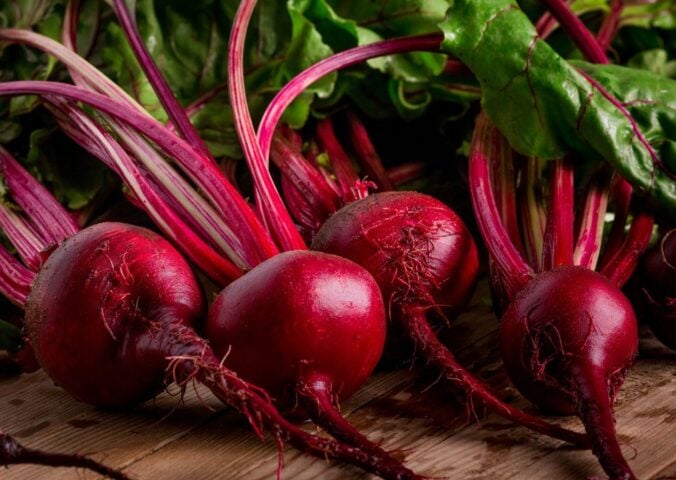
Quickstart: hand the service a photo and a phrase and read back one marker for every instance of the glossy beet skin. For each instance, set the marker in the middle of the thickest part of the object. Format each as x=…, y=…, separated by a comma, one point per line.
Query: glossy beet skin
x=568, y=339
x=300, y=317
x=418, y=250
x=97, y=309
x=656, y=285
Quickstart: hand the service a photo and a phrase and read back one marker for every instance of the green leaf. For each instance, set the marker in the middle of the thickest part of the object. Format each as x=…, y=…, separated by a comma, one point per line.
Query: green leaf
x=659, y=13
x=655, y=61
x=542, y=104
x=71, y=174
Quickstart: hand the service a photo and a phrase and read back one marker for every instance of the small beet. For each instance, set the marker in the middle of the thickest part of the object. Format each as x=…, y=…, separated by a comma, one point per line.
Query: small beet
x=568, y=339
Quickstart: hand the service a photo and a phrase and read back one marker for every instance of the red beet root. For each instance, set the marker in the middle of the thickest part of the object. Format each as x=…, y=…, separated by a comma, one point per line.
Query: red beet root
x=424, y=259
x=319, y=316
x=126, y=291
x=568, y=339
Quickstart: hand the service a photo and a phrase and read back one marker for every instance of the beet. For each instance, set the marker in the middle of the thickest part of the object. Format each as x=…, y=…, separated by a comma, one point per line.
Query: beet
x=309, y=328
x=106, y=309
x=568, y=339
x=319, y=315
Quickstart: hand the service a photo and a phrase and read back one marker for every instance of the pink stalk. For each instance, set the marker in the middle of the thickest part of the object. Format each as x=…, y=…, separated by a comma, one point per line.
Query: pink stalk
x=15, y=279
x=589, y=240
x=50, y=219
x=532, y=212
x=95, y=80
x=515, y=271
x=610, y=25
x=268, y=201
x=621, y=193
x=223, y=196
x=205, y=174
x=617, y=269
x=214, y=265
x=406, y=172
x=367, y=155
x=305, y=177
x=558, y=239
x=20, y=234
x=545, y=25
x=301, y=207
x=577, y=30
x=346, y=176
x=175, y=111
x=456, y=67
x=505, y=192
x=341, y=60
x=191, y=207
x=623, y=264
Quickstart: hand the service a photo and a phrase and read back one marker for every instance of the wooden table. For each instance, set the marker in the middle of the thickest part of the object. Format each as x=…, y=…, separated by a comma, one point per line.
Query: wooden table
x=194, y=438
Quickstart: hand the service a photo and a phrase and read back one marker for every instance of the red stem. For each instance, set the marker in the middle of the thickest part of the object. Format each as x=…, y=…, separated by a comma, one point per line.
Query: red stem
x=577, y=30
x=505, y=192
x=297, y=85
x=558, y=239
x=346, y=175
x=49, y=218
x=206, y=175
x=367, y=155
x=589, y=241
x=624, y=262
x=515, y=270
x=305, y=177
x=175, y=111
x=269, y=203
x=15, y=279
x=19, y=232
x=610, y=25
x=406, y=172
x=622, y=192
x=215, y=266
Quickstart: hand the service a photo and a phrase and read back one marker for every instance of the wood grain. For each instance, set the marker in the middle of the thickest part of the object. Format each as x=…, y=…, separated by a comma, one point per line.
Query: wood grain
x=406, y=409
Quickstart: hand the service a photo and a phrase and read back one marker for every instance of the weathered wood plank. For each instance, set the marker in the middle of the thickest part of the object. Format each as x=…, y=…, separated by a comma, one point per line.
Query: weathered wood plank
x=404, y=409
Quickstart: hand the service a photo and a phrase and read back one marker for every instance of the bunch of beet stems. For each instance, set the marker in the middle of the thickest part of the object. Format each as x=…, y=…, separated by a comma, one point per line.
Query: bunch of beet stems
x=45, y=224
x=222, y=247
x=326, y=198
x=618, y=247
x=534, y=252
